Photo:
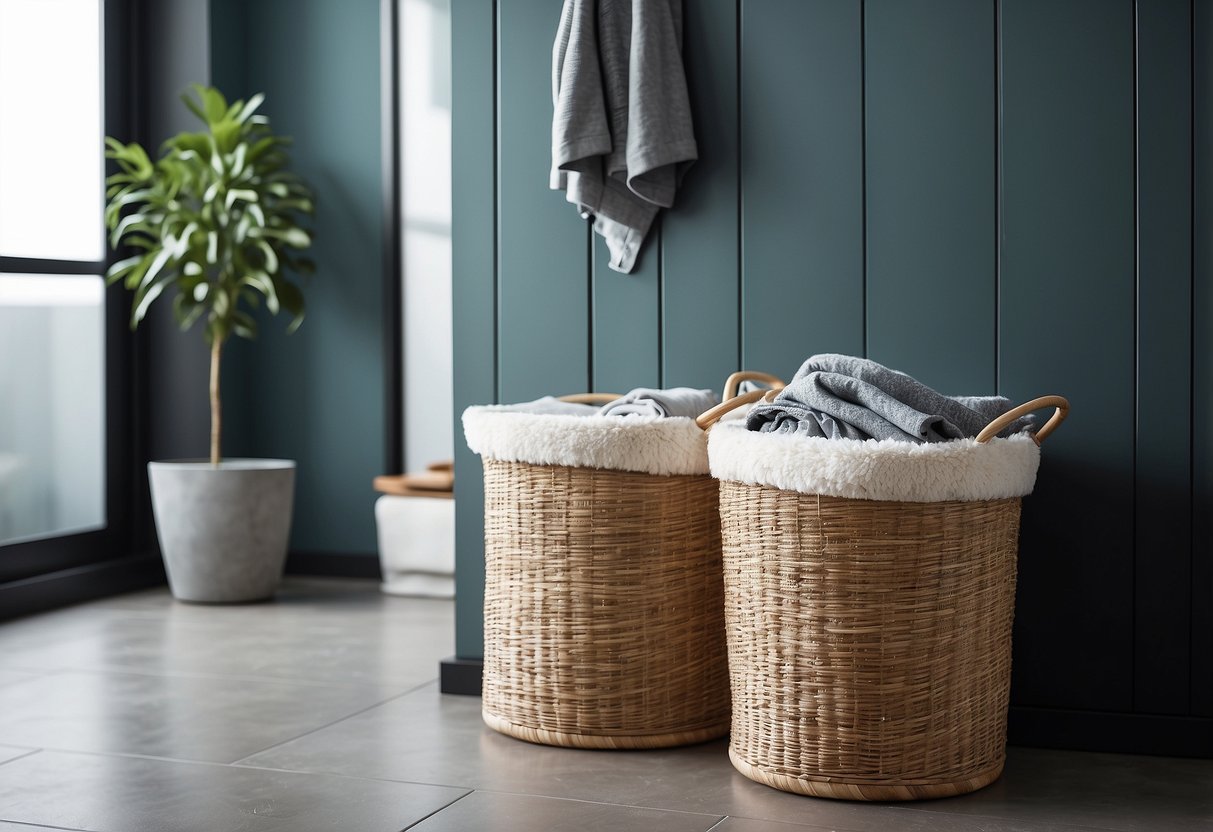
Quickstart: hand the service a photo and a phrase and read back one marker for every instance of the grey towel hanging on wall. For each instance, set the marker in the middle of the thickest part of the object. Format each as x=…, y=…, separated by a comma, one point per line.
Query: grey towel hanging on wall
x=622, y=136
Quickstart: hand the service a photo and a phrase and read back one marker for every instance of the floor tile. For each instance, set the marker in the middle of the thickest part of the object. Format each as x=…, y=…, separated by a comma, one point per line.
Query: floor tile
x=35, y=631
x=751, y=825
x=185, y=717
x=894, y=824
x=10, y=753
x=270, y=640
x=297, y=597
x=309, y=684
x=9, y=677
x=125, y=794
x=426, y=737
x=527, y=813
x=1108, y=791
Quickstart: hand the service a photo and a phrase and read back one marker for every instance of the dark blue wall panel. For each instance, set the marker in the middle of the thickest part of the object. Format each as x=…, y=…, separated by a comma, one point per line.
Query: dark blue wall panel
x=700, y=312
x=625, y=348
x=1202, y=365
x=1066, y=326
x=802, y=181
x=930, y=180
x=473, y=276
x=542, y=243
x=1164, y=358
x=317, y=396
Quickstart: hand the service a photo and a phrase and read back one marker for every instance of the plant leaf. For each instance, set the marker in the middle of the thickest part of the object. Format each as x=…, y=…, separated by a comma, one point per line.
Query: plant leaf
x=115, y=272
x=292, y=302
x=145, y=295
x=214, y=103
x=244, y=325
x=215, y=216
x=238, y=193
x=250, y=108
x=193, y=106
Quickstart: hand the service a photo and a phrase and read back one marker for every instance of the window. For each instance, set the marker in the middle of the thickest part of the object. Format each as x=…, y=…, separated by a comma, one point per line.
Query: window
x=51, y=164
x=55, y=481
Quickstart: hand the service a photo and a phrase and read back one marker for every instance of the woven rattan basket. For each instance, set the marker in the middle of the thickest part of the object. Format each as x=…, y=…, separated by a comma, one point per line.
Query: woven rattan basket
x=869, y=595
x=603, y=604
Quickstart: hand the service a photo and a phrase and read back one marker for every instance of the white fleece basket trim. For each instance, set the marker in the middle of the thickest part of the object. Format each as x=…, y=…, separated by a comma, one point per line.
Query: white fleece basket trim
x=646, y=444
x=876, y=470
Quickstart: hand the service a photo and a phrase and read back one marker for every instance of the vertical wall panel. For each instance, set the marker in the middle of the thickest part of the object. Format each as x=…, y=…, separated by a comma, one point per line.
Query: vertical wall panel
x=626, y=311
x=700, y=311
x=1067, y=326
x=802, y=170
x=178, y=424
x=318, y=65
x=543, y=282
x=930, y=138
x=1164, y=357
x=472, y=261
x=1202, y=365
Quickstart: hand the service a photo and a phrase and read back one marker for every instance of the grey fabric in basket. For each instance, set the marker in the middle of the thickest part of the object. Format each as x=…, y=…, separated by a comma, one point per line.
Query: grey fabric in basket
x=676, y=401
x=844, y=397
x=553, y=405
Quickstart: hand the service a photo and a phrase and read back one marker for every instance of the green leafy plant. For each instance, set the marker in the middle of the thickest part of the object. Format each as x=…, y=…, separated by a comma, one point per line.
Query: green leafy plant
x=217, y=217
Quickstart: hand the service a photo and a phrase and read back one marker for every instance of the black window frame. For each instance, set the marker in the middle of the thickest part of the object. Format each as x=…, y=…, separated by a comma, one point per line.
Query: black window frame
x=42, y=556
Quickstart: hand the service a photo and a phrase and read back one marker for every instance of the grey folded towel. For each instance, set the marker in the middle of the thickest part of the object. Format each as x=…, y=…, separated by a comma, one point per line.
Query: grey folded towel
x=676, y=401
x=843, y=397
x=553, y=405
x=621, y=116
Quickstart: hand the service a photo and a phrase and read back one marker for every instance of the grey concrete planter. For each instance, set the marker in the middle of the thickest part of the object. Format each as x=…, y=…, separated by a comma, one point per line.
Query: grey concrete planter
x=223, y=531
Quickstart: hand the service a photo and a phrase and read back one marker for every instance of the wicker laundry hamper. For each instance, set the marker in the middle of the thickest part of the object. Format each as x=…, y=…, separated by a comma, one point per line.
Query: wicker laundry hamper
x=603, y=602
x=869, y=595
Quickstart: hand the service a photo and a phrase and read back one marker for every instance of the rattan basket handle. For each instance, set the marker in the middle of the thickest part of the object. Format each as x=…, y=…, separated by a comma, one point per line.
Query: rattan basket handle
x=1062, y=410
x=733, y=382
x=711, y=417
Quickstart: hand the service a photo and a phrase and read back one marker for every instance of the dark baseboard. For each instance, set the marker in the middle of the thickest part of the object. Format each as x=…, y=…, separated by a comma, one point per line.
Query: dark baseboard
x=1167, y=736
x=332, y=565
x=114, y=577
x=83, y=583
x=461, y=676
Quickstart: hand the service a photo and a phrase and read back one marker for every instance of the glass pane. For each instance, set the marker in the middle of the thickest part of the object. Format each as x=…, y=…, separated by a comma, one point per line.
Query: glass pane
x=51, y=161
x=425, y=186
x=52, y=404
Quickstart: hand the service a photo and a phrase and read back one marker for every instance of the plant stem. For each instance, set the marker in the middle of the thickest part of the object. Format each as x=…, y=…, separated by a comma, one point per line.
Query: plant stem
x=216, y=412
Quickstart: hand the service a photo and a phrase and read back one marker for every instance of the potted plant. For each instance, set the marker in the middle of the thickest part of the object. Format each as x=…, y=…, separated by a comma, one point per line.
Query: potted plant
x=215, y=218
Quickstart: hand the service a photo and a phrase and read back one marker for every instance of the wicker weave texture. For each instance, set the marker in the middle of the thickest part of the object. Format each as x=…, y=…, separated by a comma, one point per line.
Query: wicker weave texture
x=869, y=642
x=603, y=607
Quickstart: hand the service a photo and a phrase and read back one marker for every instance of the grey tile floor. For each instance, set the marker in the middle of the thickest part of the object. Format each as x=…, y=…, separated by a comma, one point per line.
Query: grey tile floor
x=320, y=711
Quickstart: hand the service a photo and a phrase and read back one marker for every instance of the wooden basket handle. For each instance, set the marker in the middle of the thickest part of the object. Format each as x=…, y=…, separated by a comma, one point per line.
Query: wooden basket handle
x=733, y=382
x=589, y=398
x=1059, y=415
x=711, y=417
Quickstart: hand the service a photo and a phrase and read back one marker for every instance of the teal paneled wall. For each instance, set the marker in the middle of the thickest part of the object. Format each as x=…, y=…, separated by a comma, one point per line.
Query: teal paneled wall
x=930, y=183
x=1164, y=401
x=474, y=284
x=1066, y=324
x=699, y=241
x=317, y=396
x=993, y=196
x=1202, y=362
x=801, y=155
x=542, y=245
